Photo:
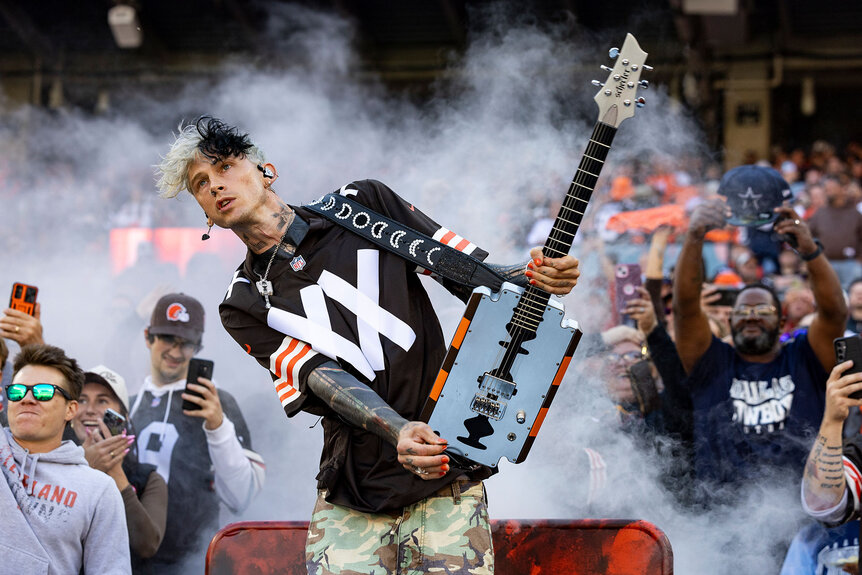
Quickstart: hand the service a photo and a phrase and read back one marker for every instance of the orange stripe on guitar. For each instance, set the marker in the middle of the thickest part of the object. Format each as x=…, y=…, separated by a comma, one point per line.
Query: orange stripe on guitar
x=564, y=365
x=460, y=333
x=538, y=423
x=438, y=385
x=447, y=237
x=462, y=244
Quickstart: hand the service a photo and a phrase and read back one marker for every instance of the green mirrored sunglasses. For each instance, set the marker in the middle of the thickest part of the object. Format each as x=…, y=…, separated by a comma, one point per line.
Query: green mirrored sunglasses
x=41, y=391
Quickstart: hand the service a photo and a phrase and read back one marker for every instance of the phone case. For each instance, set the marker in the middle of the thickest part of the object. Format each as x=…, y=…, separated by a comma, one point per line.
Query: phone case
x=23, y=298
x=114, y=421
x=627, y=279
x=197, y=368
x=850, y=347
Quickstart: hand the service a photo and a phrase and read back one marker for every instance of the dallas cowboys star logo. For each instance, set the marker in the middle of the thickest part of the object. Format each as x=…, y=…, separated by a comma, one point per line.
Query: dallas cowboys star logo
x=749, y=195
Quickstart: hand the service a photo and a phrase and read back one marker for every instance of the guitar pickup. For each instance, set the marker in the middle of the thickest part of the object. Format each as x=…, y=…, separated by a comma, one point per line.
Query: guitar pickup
x=497, y=387
x=489, y=407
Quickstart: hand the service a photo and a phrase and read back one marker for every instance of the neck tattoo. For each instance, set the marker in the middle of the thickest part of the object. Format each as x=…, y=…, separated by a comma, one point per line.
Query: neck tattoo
x=264, y=286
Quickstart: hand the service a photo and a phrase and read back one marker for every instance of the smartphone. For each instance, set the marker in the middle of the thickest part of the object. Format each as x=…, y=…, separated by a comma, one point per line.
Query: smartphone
x=114, y=421
x=728, y=296
x=850, y=347
x=627, y=278
x=197, y=368
x=644, y=386
x=23, y=298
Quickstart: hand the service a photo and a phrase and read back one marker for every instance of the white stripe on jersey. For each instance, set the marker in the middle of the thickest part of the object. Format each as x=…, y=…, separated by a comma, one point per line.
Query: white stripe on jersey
x=453, y=240
x=285, y=363
x=854, y=481
x=235, y=279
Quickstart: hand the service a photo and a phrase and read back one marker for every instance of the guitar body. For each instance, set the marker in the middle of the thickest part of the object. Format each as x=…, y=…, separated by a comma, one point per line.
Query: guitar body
x=486, y=417
x=512, y=348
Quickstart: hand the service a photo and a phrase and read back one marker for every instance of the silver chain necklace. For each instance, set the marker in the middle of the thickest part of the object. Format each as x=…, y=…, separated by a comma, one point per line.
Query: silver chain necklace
x=264, y=286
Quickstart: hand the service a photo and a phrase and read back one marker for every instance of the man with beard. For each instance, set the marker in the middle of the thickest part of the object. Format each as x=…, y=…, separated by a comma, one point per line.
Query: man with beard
x=758, y=402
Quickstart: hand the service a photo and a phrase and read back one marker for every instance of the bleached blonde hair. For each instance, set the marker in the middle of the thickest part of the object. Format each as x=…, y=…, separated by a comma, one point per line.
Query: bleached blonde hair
x=206, y=137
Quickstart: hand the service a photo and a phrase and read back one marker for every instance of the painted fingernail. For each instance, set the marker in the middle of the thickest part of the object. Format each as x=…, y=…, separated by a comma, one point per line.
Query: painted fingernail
x=445, y=468
x=445, y=459
x=442, y=473
x=530, y=265
x=532, y=282
x=528, y=273
x=126, y=450
x=124, y=433
x=130, y=440
x=538, y=261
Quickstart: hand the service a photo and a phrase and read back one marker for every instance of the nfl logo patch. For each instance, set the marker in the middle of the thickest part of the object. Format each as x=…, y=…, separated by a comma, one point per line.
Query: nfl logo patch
x=297, y=263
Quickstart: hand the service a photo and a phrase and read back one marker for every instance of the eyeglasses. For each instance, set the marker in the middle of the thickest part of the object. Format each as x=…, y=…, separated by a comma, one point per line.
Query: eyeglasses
x=185, y=345
x=747, y=311
x=41, y=391
x=631, y=356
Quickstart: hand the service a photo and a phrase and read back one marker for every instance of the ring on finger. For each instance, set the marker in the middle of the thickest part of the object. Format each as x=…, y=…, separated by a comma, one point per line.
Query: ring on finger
x=111, y=453
x=797, y=222
x=17, y=328
x=419, y=470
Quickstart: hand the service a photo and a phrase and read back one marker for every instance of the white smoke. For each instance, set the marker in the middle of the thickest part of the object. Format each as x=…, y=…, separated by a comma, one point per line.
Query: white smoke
x=503, y=131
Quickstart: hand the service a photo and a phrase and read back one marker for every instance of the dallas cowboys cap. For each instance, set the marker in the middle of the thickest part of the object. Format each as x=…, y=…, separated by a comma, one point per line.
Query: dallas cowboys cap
x=180, y=315
x=753, y=192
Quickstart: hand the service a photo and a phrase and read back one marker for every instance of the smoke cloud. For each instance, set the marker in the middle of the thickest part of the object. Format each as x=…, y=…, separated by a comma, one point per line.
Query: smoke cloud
x=501, y=133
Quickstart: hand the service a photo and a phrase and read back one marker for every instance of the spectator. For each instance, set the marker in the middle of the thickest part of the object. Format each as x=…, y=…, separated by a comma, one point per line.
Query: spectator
x=144, y=491
x=854, y=301
x=838, y=224
x=756, y=403
x=60, y=515
x=204, y=455
x=831, y=489
x=796, y=304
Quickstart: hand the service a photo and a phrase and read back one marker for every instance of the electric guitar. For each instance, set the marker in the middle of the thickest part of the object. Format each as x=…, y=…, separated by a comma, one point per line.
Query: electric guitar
x=512, y=348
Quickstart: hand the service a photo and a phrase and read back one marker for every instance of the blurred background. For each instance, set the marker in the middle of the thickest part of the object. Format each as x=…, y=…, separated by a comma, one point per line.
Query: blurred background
x=475, y=111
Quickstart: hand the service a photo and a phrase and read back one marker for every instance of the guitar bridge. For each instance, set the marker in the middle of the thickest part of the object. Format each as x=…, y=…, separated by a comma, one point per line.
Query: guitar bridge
x=487, y=400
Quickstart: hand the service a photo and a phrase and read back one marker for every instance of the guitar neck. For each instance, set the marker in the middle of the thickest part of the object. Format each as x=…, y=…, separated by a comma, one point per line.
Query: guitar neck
x=530, y=308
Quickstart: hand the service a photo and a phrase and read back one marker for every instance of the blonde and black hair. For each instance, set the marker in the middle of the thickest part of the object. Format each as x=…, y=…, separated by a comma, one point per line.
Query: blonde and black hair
x=209, y=138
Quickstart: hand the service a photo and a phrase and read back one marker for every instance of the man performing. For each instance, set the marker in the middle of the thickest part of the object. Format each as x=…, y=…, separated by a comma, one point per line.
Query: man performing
x=349, y=333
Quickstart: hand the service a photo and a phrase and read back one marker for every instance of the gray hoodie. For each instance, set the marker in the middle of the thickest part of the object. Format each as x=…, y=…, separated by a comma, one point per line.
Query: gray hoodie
x=58, y=514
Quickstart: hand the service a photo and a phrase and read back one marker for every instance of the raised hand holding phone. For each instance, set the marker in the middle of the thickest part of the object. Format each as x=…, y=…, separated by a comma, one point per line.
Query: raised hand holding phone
x=20, y=322
x=200, y=398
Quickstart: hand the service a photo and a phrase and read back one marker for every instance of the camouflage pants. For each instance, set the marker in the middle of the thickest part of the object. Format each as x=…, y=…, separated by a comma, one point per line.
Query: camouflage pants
x=447, y=532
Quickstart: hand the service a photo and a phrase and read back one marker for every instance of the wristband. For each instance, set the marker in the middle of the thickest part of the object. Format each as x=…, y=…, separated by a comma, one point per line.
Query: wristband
x=814, y=254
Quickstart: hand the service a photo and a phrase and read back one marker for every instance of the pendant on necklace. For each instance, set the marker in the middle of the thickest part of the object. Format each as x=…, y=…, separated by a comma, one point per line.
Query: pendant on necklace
x=265, y=289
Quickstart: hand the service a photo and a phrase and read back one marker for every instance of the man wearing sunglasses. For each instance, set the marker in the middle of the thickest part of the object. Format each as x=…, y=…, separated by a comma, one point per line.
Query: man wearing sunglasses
x=204, y=454
x=758, y=402
x=59, y=515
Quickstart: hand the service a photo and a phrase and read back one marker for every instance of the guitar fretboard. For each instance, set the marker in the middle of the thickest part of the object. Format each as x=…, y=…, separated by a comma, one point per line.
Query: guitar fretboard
x=531, y=307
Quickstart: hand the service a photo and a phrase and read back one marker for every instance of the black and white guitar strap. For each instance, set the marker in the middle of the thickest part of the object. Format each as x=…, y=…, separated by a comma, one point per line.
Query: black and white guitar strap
x=407, y=243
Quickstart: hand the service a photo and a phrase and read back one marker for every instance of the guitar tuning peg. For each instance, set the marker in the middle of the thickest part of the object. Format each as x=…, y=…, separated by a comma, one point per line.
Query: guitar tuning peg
x=644, y=84
x=613, y=53
x=648, y=68
x=597, y=83
x=640, y=102
x=606, y=69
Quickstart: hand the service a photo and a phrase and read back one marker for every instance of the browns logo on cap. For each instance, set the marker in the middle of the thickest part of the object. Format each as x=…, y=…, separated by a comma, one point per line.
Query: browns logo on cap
x=180, y=315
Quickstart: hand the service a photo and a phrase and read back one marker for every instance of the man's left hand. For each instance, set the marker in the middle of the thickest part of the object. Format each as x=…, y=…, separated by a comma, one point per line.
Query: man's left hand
x=554, y=275
x=210, y=403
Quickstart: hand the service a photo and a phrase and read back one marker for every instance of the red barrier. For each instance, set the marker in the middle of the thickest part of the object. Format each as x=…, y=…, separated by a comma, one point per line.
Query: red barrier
x=580, y=547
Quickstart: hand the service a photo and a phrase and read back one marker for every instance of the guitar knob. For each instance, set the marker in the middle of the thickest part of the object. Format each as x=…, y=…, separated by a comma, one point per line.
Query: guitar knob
x=613, y=52
x=606, y=69
x=597, y=83
x=648, y=68
x=640, y=102
x=521, y=417
x=644, y=84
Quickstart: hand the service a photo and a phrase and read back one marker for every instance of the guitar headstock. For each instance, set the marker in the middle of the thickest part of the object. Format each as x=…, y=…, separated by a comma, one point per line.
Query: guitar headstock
x=618, y=98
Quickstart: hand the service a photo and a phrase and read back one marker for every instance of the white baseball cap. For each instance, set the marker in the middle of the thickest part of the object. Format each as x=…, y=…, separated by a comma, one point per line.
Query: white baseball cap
x=116, y=381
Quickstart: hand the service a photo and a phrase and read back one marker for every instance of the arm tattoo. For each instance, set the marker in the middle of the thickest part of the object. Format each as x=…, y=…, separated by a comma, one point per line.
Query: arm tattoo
x=512, y=273
x=825, y=467
x=355, y=402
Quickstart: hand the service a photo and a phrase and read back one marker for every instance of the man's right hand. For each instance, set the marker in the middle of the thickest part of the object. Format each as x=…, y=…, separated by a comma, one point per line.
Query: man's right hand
x=420, y=451
x=710, y=215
